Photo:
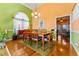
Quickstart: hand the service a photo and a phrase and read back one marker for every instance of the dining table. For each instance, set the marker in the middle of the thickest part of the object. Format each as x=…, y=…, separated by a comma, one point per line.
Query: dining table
x=42, y=34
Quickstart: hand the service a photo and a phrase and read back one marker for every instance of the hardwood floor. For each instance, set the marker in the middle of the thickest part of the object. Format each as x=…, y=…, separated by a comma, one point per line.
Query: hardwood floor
x=63, y=50
x=17, y=49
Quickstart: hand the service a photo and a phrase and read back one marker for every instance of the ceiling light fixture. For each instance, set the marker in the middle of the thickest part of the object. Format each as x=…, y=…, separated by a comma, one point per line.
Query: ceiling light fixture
x=35, y=14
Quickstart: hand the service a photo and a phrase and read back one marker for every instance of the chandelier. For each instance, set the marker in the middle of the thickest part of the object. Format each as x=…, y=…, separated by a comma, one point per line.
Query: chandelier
x=35, y=14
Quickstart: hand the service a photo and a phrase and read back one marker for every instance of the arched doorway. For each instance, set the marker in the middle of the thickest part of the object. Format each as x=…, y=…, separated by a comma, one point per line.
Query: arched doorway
x=21, y=21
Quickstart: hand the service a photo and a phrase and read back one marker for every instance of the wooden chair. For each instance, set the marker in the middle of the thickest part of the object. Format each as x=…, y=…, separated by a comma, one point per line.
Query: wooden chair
x=47, y=39
x=20, y=34
x=35, y=38
x=27, y=35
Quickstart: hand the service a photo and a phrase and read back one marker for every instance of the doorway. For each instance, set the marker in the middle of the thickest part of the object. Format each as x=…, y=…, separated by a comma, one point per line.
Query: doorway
x=63, y=29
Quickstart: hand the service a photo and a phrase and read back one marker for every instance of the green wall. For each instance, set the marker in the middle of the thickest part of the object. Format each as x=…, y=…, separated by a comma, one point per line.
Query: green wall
x=8, y=11
x=75, y=40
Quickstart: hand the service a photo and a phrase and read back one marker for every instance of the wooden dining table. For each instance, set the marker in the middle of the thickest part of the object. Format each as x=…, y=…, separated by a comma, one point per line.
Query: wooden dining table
x=42, y=34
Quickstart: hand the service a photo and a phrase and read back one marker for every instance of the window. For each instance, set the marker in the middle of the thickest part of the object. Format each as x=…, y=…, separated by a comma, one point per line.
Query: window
x=21, y=21
x=66, y=26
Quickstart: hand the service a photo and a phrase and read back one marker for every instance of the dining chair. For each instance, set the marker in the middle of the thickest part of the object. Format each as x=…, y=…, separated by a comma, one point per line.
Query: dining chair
x=47, y=40
x=27, y=36
x=20, y=34
x=35, y=39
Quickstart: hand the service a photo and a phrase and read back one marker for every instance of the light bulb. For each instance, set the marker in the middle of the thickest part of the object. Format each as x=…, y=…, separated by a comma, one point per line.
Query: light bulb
x=39, y=14
x=36, y=13
x=36, y=16
x=32, y=14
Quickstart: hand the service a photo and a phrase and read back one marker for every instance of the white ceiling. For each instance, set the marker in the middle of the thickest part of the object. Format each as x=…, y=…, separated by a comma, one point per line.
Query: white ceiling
x=32, y=5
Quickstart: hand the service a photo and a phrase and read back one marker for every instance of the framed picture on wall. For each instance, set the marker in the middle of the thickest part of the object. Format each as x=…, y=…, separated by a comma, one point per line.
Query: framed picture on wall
x=41, y=24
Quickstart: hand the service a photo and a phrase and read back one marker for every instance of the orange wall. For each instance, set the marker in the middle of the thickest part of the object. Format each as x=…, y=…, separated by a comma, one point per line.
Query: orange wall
x=75, y=25
x=49, y=12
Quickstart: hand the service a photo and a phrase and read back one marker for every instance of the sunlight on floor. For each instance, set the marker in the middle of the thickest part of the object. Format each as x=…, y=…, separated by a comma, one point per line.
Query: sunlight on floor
x=59, y=39
x=64, y=42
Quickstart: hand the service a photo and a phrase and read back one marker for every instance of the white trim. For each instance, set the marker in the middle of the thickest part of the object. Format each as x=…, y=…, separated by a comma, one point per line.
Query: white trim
x=75, y=49
x=70, y=29
x=26, y=5
x=36, y=6
x=63, y=15
x=8, y=51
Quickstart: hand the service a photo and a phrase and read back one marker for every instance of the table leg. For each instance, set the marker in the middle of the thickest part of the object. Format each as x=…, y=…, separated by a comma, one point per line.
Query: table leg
x=43, y=43
x=48, y=42
x=37, y=44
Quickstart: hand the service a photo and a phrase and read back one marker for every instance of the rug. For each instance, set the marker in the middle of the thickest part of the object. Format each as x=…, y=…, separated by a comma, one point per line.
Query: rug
x=39, y=49
x=3, y=52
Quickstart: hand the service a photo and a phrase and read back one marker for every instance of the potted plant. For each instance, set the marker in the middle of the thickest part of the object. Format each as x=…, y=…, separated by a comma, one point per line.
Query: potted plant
x=3, y=36
x=14, y=37
x=53, y=35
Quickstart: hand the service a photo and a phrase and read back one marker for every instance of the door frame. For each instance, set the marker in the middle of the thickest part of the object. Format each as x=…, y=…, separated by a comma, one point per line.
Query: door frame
x=56, y=24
